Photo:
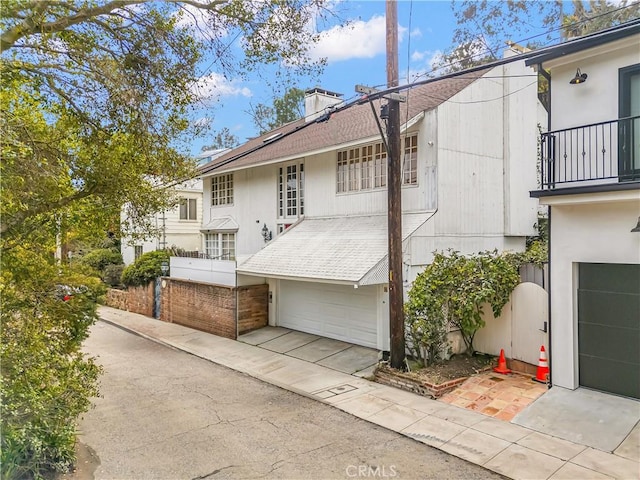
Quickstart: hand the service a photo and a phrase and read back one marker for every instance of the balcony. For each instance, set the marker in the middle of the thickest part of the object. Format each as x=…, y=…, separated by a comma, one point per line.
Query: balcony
x=200, y=267
x=597, y=157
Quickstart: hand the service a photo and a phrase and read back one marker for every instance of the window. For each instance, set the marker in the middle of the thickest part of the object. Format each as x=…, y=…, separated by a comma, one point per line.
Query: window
x=188, y=209
x=291, y=191
x=137, y=251
x=222, y=189
x=380, y=166
x=365, y=168
x=220, y=246
x=629, y=123
x=410, y=161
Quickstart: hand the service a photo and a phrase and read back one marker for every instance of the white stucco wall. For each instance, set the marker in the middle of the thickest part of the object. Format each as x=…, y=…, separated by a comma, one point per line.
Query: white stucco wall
x=587, y=232
x=599, y=92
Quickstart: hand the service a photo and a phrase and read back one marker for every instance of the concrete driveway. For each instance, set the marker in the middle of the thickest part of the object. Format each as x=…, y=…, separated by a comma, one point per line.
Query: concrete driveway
x=341, y=356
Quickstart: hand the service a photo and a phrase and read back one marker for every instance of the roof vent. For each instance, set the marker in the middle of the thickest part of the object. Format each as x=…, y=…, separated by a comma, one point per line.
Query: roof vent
x=271, y=138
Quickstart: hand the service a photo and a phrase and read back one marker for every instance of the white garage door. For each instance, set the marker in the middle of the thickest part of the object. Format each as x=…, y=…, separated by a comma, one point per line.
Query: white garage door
x=335, y=311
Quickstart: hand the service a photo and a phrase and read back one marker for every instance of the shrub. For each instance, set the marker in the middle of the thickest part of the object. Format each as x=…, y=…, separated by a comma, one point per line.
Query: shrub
x=145, y=269
x=46, y=382
x=457, y=287
x=112, y=275
x=100, y=258
x=426, y=337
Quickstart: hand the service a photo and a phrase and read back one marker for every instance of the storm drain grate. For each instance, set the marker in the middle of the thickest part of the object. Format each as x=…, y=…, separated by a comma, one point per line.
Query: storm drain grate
x=332, y=392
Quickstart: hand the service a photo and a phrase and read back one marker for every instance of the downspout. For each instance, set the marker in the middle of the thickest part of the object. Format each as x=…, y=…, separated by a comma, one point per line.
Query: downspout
x=547, y=76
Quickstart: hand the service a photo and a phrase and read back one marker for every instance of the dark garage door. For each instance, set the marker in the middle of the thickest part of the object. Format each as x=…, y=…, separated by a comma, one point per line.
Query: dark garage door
x=609, y=327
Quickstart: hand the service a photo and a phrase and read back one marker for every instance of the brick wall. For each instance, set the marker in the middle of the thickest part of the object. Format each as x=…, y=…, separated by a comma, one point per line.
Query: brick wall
x=141, y=300
x=117, y=298
x=206, y=307
x=405, y=381
x=253, y=307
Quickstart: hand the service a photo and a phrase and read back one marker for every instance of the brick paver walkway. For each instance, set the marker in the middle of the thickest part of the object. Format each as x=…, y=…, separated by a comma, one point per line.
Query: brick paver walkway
x=496, y=395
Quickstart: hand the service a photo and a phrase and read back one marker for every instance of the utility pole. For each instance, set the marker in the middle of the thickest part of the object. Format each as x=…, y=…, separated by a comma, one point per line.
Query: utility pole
x=394, y=193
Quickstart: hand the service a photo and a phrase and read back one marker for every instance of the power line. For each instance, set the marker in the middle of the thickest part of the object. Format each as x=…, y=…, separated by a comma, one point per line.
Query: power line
x=484, y=53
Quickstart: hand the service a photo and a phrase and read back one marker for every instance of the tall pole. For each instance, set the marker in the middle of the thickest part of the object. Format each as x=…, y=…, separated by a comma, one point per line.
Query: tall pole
x=394, y=185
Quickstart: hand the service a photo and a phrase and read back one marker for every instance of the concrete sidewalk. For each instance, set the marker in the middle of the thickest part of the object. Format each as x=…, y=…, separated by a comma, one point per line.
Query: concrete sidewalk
x=516, y=451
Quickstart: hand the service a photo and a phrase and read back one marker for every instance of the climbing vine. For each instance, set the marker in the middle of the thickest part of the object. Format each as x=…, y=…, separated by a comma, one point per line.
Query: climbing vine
x=452, y=292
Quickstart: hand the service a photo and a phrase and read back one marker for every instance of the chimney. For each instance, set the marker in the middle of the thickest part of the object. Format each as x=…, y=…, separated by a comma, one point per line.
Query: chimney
x=317, y=101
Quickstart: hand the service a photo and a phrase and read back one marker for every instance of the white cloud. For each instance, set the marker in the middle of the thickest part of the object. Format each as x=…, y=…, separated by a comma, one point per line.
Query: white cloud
x=416, y=33
x=202, y=122
x=426, y=62
x=198, y=21
x=357, y=39
x=215, y=85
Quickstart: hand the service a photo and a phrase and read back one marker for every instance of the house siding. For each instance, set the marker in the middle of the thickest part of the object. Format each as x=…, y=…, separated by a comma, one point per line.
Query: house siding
x=184, y=234
x=599, y=92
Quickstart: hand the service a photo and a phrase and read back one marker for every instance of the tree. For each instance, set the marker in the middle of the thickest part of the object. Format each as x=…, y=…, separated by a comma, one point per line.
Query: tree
x=599, y=15
x=484, y=27
x=95, y=101
x=113, y=82
x=222, y=139
x=285, y=109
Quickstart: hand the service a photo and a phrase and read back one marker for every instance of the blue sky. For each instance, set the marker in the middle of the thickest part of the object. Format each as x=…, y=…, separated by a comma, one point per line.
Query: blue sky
x=355, y=56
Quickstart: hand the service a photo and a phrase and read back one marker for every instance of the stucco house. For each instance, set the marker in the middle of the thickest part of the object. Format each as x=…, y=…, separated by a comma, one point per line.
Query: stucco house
x=303, y=208
x=590, y=180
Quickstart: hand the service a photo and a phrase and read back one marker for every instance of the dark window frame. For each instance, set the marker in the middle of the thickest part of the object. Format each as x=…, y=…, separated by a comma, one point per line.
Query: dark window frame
x=628, y=166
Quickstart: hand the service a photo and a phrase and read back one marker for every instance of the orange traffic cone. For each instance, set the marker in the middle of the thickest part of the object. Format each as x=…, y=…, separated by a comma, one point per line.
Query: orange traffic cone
x=502, y=364
x=543, y=367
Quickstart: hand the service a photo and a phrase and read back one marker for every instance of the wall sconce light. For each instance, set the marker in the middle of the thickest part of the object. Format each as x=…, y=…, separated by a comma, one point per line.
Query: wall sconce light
x=579, y=78
x=164, y=268
x=266, y=233
x=636, y=229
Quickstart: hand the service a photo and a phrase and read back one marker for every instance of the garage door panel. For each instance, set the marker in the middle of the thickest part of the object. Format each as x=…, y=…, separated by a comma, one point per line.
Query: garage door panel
x=610, y=308
x=335, y=311
x=609, y=328
x=609, y=376
x=610, y=277
x=620, y=344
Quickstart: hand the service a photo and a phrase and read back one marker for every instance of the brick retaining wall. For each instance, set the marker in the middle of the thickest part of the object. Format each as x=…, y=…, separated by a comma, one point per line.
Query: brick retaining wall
x=253, y=307
x=394, y=378
x=141, y=299
x=117, y=298
x=206, y=307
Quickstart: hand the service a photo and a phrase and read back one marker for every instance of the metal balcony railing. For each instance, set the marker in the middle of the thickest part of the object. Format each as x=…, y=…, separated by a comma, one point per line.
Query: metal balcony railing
x=597, y=154
x=202, y=255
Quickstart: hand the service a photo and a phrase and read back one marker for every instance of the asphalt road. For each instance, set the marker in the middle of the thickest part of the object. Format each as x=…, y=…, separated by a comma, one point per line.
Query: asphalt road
x=166, y=414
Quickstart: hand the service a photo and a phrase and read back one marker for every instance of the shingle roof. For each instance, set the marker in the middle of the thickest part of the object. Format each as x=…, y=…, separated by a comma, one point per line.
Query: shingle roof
x=350, y=124
x=336, y=249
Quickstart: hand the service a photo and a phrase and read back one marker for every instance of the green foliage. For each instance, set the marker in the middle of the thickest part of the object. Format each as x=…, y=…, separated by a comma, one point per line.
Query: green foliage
x=454, y=289
x=100, y=258
x=537, y=253
x=112, y=275
x=97, y=98
x=145, y=269
x=426, y=334
x=46, y=381
x=223, y=139
x=484, y=27
x=285, y=109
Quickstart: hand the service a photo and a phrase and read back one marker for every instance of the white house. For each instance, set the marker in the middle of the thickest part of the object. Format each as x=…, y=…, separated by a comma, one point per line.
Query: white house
x=591, y=183
x=179, y=227
x=303, y=208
